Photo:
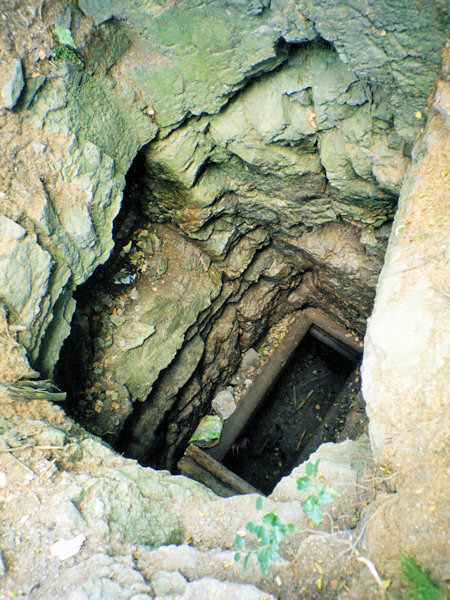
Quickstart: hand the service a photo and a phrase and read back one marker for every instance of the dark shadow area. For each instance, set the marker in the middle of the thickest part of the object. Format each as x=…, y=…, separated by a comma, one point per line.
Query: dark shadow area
x=96, y=300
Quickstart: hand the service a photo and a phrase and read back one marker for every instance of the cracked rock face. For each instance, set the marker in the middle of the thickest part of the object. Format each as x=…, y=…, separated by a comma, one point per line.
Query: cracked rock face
x=262, y=146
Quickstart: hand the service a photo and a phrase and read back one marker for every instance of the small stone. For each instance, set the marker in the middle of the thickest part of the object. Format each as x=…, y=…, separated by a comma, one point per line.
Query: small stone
x=249, y=359
x=117, y=320
x=33, y=86
x=51, y=436
x=13, y=86
x=156, y=241
x=68, y=513
x=2, y=566
x=223, y=404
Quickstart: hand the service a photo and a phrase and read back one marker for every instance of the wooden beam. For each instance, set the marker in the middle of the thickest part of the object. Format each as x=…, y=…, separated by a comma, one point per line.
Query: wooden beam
x=200, y=466
x=334, y=335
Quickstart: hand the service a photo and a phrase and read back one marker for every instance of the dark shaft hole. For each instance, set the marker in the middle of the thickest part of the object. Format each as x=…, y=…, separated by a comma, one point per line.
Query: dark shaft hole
x=274, y=440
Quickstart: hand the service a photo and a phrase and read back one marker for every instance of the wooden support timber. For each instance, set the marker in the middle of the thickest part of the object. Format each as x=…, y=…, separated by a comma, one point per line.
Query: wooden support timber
x=261, y=386
x=196, y=464
x=330, y=333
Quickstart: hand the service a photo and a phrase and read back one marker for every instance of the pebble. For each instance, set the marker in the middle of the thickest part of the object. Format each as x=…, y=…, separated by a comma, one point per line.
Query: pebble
x=13, y=87
x=224, y=404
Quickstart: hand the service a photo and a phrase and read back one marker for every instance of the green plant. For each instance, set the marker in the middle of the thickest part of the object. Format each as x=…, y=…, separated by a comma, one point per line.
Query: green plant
x=320, y=494
x=272, y=529
x=269, y=533
x=417, y=582
x=66, y=48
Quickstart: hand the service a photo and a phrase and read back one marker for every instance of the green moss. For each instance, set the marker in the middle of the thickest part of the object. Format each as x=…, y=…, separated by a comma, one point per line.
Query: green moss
x=63, y=52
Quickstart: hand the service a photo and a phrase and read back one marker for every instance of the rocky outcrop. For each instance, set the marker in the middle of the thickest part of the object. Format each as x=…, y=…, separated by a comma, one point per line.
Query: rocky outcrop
x=100, y=526
x=61, y=183
x=271, y=144
x=77, y=129
x=405, y=371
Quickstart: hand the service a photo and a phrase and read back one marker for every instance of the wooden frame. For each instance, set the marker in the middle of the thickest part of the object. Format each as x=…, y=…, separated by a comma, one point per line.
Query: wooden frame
x=205, y=465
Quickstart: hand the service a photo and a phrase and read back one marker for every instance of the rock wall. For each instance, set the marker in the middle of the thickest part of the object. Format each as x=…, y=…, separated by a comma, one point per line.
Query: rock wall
x=67, y=146
x=406, y=366
x=407, y=352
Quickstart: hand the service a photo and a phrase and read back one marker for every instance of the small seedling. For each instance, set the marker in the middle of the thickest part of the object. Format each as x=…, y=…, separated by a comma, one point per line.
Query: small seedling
x=320, y=494
x=272, y=529
x=269, y=533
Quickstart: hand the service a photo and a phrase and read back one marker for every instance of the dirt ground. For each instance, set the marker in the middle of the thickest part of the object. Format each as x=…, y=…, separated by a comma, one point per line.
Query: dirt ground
x=40, y=456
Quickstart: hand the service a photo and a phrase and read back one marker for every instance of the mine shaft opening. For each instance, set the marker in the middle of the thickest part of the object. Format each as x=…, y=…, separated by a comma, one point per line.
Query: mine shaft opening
x=157, y=269
x=309, y=394
x=302, y=410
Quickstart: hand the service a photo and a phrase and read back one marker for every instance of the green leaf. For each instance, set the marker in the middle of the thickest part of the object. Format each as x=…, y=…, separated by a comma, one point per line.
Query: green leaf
x=309, y=503
x=240, y=542
x=259, y=503
x=327, y=494
x=320, y=488
x=264, y=536
x=333, y=492
x=325, y=498
x=252, y=526
x=263, y=559
x=64, y=36
x=291, y=527
x=316, y=515
x=237, y=557
x=246, y=561
x=271, y=519
x=316, y=467
x=309, y=469
x=274, y=556
x=304, y=484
